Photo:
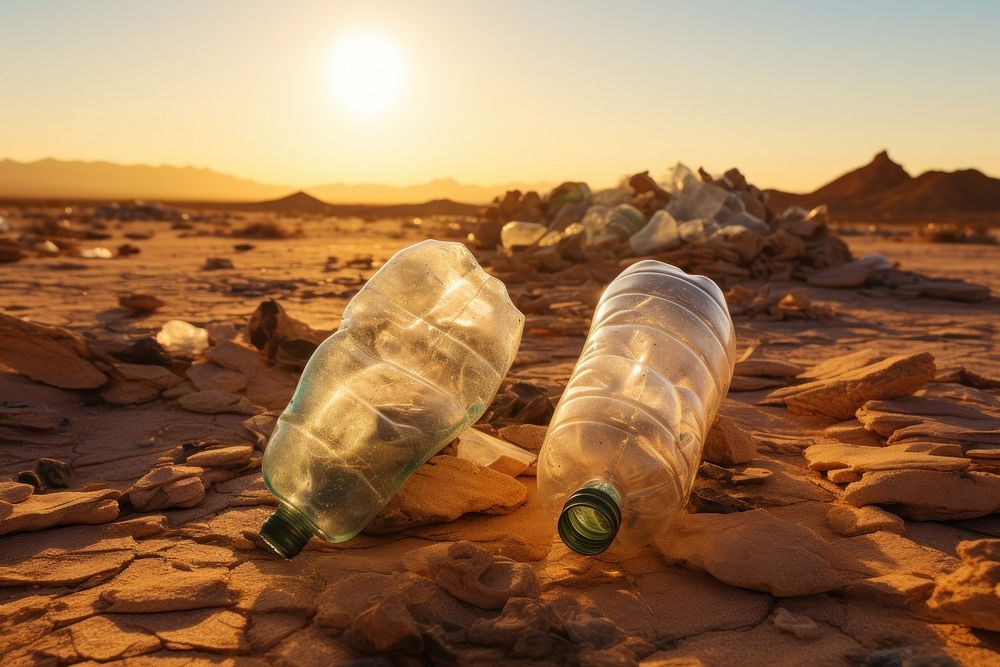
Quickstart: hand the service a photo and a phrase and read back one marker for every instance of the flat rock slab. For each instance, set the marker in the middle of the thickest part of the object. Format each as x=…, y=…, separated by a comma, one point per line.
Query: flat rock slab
x=860, y=458
x=45, y=510
x=445, y=488
x=47, y=354
x=840, y=396
x=755, y=550
x=928, y=495
x=173, y=591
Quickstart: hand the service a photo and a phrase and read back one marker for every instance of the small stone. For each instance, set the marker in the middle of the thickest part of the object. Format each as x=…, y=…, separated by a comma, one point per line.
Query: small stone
x=140, y=303
x=214, y=401
x=217, y=263
x=124, y=392
x=208, y=376
x=971, y=594
x=235, y=456
x=728, y=443
x=15, y=492
x=850, y=521
x=386, y=626
x=526, y=436
x=802, y=627
x=235, y=357
x=157, y=376
x=54, y=474
x=171, y=486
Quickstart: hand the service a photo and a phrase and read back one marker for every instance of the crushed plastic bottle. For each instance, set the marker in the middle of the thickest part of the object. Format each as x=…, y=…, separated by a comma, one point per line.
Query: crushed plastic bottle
x=182, y=339
x=625, y=442
x=521, y=234
x=660, y=233
x=419, y=356
x=622, y=222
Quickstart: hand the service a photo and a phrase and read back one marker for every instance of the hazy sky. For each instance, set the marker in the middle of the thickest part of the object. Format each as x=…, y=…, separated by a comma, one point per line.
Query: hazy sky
x=792, y=92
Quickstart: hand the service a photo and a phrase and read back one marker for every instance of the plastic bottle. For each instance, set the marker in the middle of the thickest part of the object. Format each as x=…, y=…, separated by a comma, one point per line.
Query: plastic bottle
x=521, y=234
x=625, y=442
x=420, y=354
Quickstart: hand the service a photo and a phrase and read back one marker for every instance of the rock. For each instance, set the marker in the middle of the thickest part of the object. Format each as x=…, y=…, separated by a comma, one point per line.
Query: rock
x=176, y=591
x=124, y=392
x=526, y=436
x=928, y=495
x=385, y=627
x=30, y=417
x=140, y=303
x=802, y=627
x=217, y=263
x=522, y=627
x=742, y=383
x=850, y=275
x=281, y=337
x=728, y=443
x=157, y=376
x=101, y=639
x=474, y=575
x=15, y=492
x=170, y=486
x=182, y=339
x=971, y=594
x=234, y=456
x=235, y=357
x=829, y=456
x=41, y=511
x=893, y=590
x=489, y=452
x=214, y=401
x=754, y=550
x=751, y=364
x=445, y=488
x=208, y=377
x=260, y=427
x=952, y=290
x=140, y=526
x=54, y=474
x=850, y=521
x=47, y=354
x=840, y=396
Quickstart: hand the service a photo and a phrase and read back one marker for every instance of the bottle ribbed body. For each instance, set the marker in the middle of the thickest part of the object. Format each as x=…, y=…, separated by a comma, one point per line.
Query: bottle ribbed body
x=420, y=354
x=632, y=421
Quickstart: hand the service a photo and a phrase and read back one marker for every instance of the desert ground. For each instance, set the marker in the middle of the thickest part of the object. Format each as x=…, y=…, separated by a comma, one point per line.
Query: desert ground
x=846, y=513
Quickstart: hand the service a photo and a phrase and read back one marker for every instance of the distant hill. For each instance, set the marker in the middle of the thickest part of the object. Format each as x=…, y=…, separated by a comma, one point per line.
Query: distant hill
x=883, y=191
x=305, y=203
x=107, y=180
x=62, y=179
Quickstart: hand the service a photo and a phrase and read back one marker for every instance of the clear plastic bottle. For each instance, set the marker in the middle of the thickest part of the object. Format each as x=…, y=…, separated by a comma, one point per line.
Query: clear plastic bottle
x=419, y=356
x=625, y=442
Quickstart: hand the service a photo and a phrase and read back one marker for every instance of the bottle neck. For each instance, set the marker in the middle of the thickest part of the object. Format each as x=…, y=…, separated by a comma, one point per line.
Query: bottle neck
x=590, y=519
x=286, y=531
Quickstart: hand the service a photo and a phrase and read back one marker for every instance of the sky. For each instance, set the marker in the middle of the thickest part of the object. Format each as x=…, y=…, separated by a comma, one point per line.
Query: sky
x=792, y=92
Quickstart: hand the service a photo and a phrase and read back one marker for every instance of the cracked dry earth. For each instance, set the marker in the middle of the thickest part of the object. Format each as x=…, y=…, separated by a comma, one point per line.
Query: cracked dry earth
x=847, y=514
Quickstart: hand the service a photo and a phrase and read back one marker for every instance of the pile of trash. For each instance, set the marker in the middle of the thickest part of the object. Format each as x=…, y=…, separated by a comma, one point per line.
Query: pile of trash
x=717, y=226
x=139, y=211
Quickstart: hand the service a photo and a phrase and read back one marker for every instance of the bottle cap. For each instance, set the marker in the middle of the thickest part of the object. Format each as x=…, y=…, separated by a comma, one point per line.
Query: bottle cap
x=286, y=531
x=589, y=521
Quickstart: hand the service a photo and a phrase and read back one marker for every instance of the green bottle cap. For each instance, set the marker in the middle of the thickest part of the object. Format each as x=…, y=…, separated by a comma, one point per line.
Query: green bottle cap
x=589, y=521
x=286, y=531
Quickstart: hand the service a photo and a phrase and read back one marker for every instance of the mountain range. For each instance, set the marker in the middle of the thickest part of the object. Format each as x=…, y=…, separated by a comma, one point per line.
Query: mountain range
x=883, y=191
x=72, y=179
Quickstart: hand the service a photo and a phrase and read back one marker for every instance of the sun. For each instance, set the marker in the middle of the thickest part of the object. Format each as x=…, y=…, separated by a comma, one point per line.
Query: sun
x=366, y=73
